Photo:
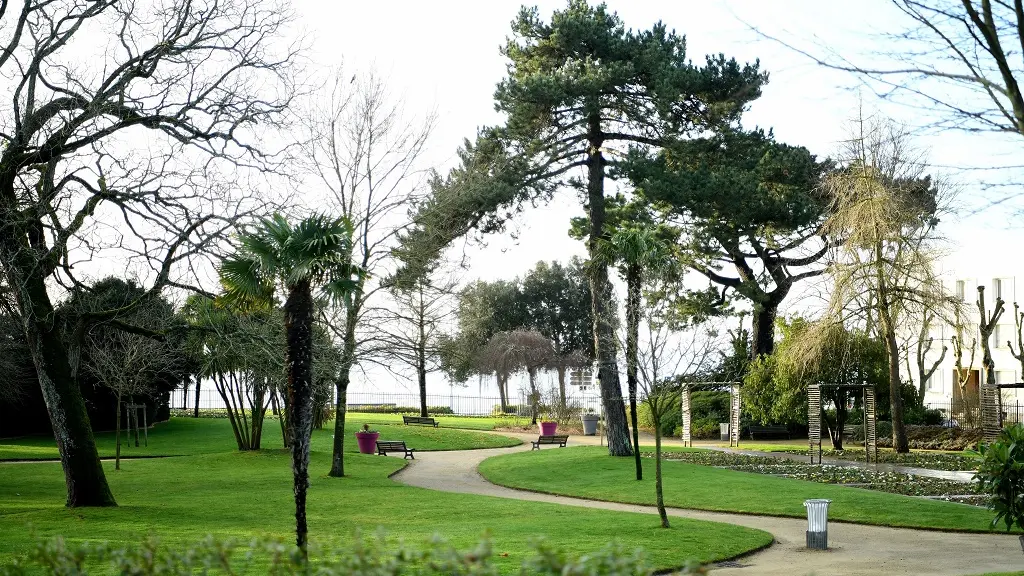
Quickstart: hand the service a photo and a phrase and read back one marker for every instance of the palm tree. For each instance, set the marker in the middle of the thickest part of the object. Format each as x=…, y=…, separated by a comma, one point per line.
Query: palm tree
x=638, y=249
x=315, y=254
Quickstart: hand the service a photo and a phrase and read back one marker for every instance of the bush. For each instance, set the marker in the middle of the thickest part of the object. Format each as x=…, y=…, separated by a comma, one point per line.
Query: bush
x=928, y=437
x=392, y=409
x=377, y=556
x=1001, y=476
x=707, y=410
x=671, y=421
x=919, y=415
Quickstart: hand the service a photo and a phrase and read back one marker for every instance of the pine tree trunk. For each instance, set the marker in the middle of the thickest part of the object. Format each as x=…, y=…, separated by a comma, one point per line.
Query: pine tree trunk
x=501, y=391
x=633, y=283
x=348, y=359
x=601, y=298
x=298, y=310
x=763, y=330
x=899, y=430
x=421, y=376
x=561, y=389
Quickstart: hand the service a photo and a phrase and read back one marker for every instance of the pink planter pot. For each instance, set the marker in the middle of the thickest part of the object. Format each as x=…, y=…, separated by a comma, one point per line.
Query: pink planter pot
x=367, y=442
x=548, y=428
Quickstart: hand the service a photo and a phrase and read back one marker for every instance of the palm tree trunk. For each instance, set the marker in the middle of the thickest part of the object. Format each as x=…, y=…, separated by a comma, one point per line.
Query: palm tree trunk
x=298, y=319
x=199, y=380
x=633, y=282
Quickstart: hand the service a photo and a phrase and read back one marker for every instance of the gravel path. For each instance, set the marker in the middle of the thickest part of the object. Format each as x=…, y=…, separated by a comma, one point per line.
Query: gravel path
x=854, y=549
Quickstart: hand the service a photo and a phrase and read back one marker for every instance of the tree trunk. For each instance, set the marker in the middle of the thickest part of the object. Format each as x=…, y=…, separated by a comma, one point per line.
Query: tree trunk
x=298, y=319
x=534, y=395
x=199, y=380
x=421, y=357
x=561, y=388
x=659, y=496
x=117, y=435
x=601, y=298
x=501, y=391
x=633, y=283
x=763, y=329
x=348, y=358
x=899, y=430
x=83, y=473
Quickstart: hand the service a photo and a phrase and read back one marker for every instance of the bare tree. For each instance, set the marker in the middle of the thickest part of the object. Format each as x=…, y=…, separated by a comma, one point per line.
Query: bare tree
x=199, y=83
x=1018, y=324
x=967, y=403
x=986, y=326
x=126, y=363
x=922, y=346
x=365, y=150
x=886, y=209
x=667, y=359
x=411, y=339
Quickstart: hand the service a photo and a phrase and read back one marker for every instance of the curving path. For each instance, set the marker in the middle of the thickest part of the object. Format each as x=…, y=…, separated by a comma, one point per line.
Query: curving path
x=855, y=550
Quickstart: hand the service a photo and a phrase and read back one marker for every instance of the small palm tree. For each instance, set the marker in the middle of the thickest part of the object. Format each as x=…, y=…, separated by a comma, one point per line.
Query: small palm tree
x=639, y=250
x=313, y=255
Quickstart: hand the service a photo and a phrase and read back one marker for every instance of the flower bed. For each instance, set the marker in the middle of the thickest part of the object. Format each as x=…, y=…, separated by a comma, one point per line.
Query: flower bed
x=907, y=484
x=930, y=460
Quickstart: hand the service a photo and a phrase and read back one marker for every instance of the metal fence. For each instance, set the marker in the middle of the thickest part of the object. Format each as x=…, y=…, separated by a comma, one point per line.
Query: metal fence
x=409, y=402
x=967, y=413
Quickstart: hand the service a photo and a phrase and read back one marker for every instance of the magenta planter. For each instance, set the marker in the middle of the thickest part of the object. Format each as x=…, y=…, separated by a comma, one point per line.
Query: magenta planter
x=367, y=442
x=548, y=428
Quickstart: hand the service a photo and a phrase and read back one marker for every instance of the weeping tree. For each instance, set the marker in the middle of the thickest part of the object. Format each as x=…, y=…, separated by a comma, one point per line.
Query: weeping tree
x=886, y=208
x=581, y=89
x=509, y=352
x=314, y=254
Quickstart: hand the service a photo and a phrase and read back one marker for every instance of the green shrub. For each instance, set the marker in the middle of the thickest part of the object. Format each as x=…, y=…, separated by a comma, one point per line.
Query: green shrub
x=928, y=437
x=707, y=410
x=378, y=556
x=1001, y=476
x=390, y=409
x=919, y=415
x=671, y=421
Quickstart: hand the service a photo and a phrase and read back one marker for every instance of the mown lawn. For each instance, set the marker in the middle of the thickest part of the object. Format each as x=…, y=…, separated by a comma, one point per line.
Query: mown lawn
x=242, y=495
x=588, y=472
x=183, y=436
x=443, y=421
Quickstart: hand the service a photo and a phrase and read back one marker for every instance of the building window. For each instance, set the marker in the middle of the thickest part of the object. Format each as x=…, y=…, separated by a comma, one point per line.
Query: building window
x=960, y=287
x=934, y=383
x=1001, y=335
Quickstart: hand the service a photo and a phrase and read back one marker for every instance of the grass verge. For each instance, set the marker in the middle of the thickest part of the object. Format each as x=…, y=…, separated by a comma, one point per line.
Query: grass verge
x=244, y=495
x=588, y=472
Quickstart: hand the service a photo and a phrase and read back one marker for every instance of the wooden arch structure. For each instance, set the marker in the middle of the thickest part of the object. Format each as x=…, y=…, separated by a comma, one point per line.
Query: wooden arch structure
x=734, y=409
x=814, y=418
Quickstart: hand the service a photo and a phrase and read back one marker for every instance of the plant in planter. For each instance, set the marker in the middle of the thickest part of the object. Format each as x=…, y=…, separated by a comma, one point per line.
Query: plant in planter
x=590, y=419
x=367, y=440
x=1001, y=477
x=548, y=424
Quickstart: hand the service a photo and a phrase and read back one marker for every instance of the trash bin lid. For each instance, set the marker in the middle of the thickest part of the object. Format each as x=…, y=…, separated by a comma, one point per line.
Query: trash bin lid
x=817, y=501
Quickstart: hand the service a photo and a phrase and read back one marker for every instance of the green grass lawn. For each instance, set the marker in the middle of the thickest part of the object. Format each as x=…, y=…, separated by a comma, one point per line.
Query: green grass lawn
x=443, y=421
x=588, y=472
x=183, y=436
x=242, y=495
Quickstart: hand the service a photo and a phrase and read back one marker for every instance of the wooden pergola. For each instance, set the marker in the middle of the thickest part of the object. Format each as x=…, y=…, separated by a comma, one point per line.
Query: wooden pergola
x=992, y=409
x=814, y=418
x=734, y=409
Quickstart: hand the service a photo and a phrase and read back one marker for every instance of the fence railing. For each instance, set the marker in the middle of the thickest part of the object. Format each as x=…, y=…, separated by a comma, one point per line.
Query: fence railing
x=967, y=413
x=461, y=405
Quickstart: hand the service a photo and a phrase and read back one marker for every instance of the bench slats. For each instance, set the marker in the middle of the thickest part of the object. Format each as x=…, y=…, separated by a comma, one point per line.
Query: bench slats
x=427, y=421
x=776, y=430
x=561, y=440
x=385, y=446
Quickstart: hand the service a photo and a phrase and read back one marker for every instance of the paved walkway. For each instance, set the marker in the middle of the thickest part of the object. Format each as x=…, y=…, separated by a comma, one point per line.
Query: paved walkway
x=856, y=550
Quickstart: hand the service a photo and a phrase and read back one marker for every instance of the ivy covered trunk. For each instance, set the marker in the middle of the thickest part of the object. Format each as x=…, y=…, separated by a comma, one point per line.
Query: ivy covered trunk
x=83, y=473
x=601, y=297
x=298, y=318
x=632, y=336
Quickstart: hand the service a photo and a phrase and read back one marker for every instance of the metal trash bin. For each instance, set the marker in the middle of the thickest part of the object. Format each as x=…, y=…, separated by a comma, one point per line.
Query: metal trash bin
x=817, y=523
x=723, y=428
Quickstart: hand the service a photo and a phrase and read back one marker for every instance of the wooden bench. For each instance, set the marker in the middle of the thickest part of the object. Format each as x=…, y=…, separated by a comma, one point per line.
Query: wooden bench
x=385, y=446
x=850, y=430
x=560, y=440
x=419, y=420
x=774, y=430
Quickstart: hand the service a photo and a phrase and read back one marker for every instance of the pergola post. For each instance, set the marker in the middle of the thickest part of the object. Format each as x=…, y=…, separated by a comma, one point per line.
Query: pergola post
x=870, y=437
x=685, y=411
x=734, y=416
x=814, y=421
x=990, y=425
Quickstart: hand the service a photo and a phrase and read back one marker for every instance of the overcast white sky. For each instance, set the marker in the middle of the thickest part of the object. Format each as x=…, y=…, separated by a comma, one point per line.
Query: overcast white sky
x=444, y=55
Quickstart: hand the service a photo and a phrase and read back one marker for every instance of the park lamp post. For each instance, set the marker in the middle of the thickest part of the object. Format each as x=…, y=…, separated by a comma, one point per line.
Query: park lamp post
x=817, y=523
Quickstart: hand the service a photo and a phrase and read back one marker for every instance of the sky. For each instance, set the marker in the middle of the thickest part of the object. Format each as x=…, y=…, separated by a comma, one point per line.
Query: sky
x=444, y=57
